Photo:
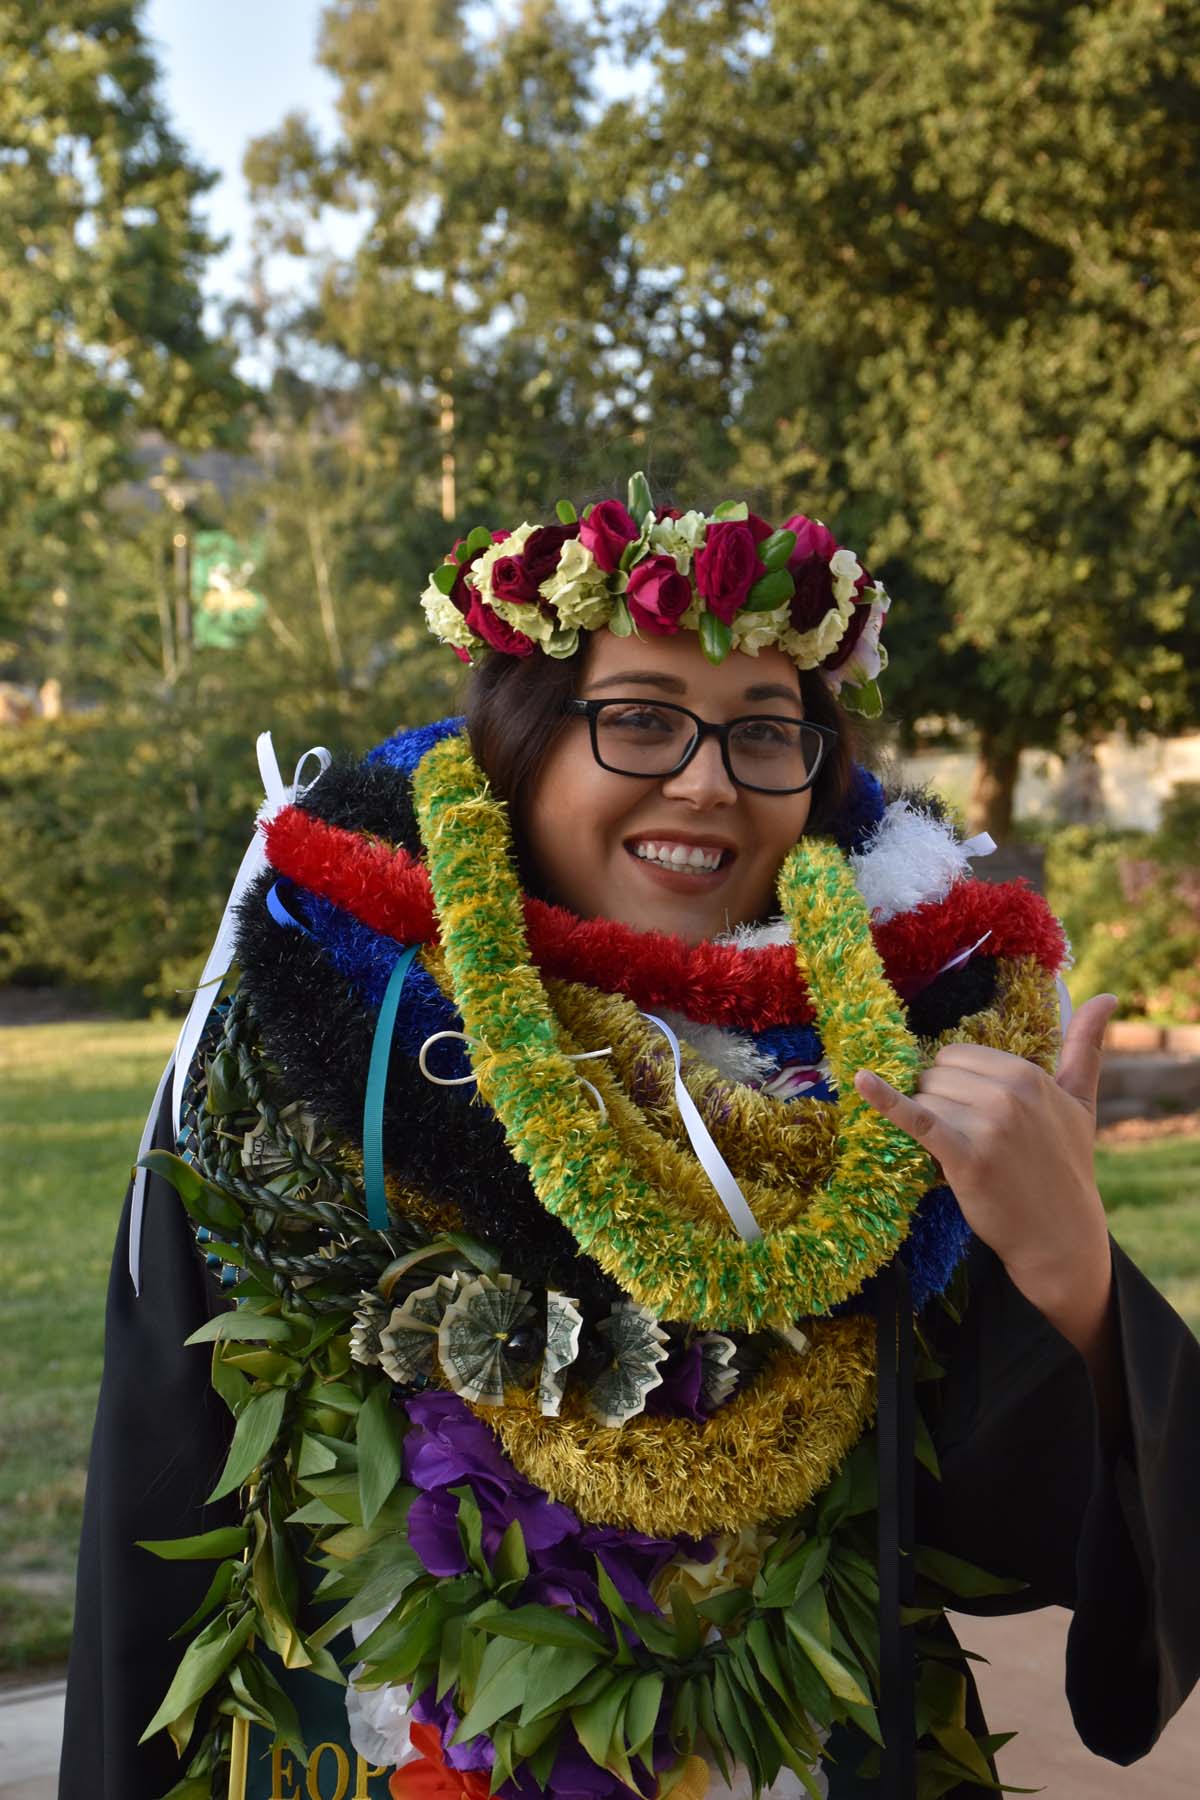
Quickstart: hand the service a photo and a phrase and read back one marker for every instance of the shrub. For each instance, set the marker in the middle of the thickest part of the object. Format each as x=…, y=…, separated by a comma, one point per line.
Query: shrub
x=1130, y=902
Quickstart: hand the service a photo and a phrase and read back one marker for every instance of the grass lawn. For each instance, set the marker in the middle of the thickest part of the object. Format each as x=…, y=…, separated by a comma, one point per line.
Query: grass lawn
x=72, y=1102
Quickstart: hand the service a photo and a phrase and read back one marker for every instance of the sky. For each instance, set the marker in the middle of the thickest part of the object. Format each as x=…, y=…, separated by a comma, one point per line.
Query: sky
x=230, y=71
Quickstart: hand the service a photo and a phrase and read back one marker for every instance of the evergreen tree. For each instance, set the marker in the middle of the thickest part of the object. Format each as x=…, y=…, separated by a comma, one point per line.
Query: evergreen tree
x=101, y=327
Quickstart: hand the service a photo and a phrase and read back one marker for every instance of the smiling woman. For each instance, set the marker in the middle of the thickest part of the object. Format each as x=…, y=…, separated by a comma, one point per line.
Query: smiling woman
x=522, y=729
x=620, y=845
x=611, y=1092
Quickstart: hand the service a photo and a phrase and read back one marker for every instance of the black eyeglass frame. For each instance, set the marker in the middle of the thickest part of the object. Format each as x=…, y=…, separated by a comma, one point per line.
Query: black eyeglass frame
x=705, y=728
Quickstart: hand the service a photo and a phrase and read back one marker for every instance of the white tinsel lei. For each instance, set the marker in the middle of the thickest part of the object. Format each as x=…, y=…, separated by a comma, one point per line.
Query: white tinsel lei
x=909, y=858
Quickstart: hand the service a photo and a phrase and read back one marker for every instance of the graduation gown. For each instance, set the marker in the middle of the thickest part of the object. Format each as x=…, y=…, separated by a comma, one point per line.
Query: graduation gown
x=1027, y=1490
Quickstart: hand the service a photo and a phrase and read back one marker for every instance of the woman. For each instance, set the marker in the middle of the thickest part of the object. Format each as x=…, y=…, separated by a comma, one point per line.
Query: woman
x=579, y=1234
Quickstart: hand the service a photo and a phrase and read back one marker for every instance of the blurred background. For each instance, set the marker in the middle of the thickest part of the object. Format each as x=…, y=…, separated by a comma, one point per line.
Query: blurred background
x=292, y=295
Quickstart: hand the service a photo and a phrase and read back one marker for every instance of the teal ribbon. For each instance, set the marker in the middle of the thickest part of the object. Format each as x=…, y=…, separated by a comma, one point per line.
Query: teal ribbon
x=377, y=1074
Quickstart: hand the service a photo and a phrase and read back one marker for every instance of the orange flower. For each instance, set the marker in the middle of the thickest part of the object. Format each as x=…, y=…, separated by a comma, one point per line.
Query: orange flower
x=429, y=1776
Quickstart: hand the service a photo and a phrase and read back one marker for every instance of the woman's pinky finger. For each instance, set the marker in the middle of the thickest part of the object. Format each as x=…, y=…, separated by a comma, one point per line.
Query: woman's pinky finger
x=931, y=1120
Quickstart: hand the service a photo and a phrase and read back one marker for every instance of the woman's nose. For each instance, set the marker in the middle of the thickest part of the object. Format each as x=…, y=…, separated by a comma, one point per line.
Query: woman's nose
x=705, y=780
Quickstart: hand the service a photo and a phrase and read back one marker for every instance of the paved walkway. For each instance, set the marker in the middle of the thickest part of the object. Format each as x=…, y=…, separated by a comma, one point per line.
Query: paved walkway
x=1021, y=1685
x=30, y=1735
x=1022, y=1689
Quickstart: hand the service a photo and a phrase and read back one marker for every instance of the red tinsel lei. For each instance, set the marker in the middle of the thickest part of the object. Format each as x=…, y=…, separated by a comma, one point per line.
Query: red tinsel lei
x=720, y=983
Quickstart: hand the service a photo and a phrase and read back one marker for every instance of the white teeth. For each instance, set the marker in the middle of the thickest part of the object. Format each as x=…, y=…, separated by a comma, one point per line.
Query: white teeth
x=678, y=856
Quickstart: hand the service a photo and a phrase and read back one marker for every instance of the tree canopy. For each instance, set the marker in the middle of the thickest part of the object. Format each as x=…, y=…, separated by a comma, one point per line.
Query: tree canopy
x=929, y=269
x=101, y=312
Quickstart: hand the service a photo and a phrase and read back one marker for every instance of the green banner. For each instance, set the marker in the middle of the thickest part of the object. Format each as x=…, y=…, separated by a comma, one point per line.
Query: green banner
x=334, y=1770
x=225, y=606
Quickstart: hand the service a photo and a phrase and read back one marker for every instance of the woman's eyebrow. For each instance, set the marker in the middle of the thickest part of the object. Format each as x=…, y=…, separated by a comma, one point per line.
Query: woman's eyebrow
x=769, y=690
x=670, y=684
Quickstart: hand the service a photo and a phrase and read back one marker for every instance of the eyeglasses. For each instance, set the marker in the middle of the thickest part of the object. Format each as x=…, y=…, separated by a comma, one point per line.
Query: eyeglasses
x=653, y=739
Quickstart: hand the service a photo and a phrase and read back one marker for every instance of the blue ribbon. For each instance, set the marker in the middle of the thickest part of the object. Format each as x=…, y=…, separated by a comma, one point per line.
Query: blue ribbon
x=280, y=913
x=377, y=1074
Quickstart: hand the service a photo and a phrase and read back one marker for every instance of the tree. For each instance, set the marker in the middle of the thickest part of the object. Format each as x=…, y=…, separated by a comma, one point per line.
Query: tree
x=963, y=241
x=497, y=283
x=101, y=327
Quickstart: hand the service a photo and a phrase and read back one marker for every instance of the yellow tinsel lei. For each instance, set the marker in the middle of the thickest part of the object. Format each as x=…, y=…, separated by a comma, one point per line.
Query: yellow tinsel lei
x=596, y=1176
x=760, y=1458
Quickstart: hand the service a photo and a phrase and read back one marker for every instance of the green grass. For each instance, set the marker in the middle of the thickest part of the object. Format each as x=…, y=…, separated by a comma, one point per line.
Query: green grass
x=73, y=1099
x=72, y=1102
x=1152, y=1194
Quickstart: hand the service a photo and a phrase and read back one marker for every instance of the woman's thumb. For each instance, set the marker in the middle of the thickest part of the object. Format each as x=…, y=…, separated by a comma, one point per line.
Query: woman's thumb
x=1083, y=1049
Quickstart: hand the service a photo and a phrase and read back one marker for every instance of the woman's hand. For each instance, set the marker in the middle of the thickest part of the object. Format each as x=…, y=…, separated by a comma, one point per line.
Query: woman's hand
x=1016, y=1145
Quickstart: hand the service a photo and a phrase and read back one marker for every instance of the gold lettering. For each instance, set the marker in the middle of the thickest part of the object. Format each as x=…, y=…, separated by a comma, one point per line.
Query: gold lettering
x=280, y=1774
x=341, y=1763
x=363, y=1771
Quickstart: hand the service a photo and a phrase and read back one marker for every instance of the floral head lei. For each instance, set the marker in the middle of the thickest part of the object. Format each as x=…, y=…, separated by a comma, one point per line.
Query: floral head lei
x=731, y=577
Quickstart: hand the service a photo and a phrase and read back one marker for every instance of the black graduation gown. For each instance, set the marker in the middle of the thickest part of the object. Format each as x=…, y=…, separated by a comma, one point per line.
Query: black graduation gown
x=1026, y=1491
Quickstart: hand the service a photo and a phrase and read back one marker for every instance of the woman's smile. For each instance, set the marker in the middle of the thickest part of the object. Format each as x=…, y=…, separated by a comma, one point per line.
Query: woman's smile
x=683, y=862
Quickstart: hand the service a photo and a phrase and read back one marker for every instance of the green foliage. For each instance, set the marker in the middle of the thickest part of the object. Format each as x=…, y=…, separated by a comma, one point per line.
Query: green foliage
x=124, y=826
x=965, y=237
x=1130, y=902
x=101, y=329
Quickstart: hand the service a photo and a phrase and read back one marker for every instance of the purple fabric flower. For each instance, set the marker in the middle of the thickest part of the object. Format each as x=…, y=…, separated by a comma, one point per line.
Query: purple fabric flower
x=476, y=1753
x=679, y=1394
x=447, y=1447
x=576, y=1777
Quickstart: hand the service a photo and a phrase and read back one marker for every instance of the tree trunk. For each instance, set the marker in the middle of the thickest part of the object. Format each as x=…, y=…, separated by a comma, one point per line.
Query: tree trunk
x=993, y=785
x=1080, y=796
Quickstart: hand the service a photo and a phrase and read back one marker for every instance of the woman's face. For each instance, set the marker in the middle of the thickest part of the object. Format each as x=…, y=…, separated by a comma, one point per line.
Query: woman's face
x=599, y=839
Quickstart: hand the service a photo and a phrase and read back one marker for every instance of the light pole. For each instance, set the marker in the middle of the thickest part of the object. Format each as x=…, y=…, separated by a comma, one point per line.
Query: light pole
x=175, y=611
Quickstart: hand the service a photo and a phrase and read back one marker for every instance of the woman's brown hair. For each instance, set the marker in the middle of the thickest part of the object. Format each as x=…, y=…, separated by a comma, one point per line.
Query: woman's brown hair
x=515, y=710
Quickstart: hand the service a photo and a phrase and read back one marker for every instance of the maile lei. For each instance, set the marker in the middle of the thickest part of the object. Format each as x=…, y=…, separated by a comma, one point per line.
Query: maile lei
x=547, y=1646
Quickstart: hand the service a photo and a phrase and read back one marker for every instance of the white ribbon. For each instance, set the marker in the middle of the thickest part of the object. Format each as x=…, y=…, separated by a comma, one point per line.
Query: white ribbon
x=216, y=967
x=963, y=956
x=463, y=1080
x=982, y=844
x=1066, y=1007
x=711, y=1160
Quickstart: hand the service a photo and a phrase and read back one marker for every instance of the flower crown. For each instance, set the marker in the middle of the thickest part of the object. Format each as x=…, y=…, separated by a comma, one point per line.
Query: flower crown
x=731, y=577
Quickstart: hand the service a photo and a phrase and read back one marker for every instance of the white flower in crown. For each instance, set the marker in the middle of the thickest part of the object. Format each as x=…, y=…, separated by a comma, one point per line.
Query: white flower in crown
x=479, y=576
x=808, y=648
x=868, y=659
x=846, y=570
x=578, y=590
x=753, y=632
x=444, y=619
x=680, y=538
